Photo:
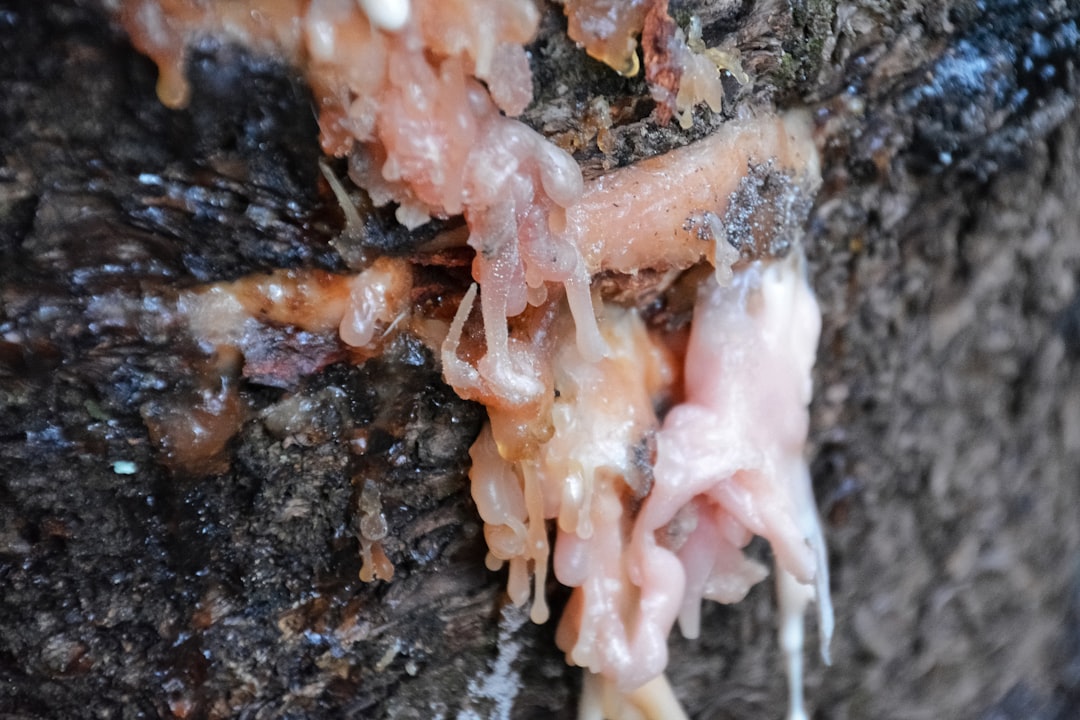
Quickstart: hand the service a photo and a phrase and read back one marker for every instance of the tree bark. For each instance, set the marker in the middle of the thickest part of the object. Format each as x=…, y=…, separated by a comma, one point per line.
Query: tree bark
x=945, y=252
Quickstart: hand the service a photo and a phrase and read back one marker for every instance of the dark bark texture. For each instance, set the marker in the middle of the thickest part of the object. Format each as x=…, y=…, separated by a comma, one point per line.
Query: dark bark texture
x=946, y=426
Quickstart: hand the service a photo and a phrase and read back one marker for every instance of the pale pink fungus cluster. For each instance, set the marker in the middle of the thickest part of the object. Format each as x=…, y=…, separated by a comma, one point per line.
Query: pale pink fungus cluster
x=657, y=458
x=644, y=541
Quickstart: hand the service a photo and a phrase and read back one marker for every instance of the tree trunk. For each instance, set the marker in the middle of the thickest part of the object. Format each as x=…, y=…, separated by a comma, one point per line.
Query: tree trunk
x=945, y=248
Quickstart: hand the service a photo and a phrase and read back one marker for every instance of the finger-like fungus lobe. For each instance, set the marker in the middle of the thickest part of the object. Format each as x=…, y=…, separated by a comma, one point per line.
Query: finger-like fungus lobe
x=634, y=457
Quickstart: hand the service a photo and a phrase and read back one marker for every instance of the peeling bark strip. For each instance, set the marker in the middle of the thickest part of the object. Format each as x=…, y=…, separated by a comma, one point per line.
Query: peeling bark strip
x=946, y=425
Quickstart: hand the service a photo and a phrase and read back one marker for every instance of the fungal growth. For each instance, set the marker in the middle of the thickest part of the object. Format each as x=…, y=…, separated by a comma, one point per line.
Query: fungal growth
x=680, y=70
x=632, y=449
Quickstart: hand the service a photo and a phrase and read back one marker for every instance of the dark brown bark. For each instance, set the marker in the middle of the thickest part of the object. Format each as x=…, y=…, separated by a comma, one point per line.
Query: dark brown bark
x=946, y=440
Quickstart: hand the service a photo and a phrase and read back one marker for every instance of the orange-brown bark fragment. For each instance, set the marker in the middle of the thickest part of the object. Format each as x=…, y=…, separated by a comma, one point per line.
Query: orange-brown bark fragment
x=662, y=73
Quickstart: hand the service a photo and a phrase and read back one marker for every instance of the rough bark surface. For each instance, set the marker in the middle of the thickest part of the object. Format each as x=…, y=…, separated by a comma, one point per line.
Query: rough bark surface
x=946, y=424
